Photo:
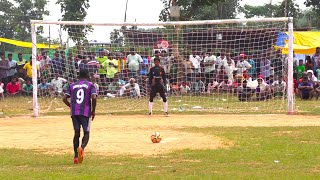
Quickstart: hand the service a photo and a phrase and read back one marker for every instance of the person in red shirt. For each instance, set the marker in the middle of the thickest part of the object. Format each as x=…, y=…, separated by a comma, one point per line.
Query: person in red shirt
x=13, y=88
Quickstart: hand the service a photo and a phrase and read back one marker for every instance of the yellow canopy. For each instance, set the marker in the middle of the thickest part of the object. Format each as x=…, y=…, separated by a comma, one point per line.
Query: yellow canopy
x=27, y=44
x=305, y=42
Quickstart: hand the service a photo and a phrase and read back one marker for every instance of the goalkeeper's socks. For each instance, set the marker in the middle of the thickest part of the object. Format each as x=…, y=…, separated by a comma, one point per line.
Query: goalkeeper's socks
x=150, y=108
x=165, y=107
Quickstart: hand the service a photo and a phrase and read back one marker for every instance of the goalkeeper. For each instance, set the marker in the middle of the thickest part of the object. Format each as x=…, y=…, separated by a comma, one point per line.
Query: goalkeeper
x=157, y=82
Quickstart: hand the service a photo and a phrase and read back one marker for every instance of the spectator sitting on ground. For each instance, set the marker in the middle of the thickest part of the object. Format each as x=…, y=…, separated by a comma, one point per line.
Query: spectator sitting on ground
x=184, y=88
x=131, y=89
x=225, y=85
x=27, y=88
x=263, y=91
x=1, y=89
x=13, y=88
x=44, y=88
x=57, y=84
x=312, y=78
x=279, y=87
x=244, y=92
x=212, y=86
x=305, y=88
x=198, y=86
x=270, y=81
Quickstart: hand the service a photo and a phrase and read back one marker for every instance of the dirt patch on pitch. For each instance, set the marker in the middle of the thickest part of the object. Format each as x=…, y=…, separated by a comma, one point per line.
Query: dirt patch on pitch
x=130, y=135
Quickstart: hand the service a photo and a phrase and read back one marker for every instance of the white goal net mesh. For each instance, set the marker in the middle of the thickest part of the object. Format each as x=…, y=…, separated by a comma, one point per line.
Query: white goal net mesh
x=222, y=68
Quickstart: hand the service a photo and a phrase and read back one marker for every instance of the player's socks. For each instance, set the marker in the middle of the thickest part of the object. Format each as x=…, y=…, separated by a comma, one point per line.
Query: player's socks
x=165, y=107
x=80, y=154
x=150, y=108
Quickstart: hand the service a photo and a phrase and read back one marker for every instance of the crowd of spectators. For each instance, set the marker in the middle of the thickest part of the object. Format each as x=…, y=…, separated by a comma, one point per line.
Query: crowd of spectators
x=247, y=76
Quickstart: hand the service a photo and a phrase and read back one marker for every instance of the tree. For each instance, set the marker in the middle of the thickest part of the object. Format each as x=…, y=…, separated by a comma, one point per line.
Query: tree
x=15, y=16
x=75, y=10
x=201, y=9
x=315, y=7
x=117, y=37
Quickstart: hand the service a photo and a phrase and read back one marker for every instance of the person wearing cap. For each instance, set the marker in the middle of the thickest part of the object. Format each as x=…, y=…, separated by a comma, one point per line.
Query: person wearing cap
x=263, y=91
x=305, y=88
x=157, y=84
x=132, y=89
x=242, y=64
x=311, y=77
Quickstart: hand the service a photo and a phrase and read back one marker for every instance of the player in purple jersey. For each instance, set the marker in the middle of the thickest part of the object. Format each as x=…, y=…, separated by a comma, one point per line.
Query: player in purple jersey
x=83, y=101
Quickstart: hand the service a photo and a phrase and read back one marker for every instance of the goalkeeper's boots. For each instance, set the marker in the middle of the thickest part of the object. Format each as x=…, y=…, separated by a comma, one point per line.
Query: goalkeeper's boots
x=166, y=114
x=150, y=113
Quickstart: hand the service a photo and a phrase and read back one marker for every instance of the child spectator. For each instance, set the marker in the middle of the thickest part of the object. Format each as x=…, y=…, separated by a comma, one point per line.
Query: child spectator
x=300, y=69
x=305, y=88
x=225, y=85
x=212, y=86
x=44, y=88
x=27, y=88
x=279, y=87
x=184, y=88
x=13, y=88
x=198, y=86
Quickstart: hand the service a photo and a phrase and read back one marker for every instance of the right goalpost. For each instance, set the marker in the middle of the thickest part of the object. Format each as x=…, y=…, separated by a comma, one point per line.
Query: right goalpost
x=219, y=66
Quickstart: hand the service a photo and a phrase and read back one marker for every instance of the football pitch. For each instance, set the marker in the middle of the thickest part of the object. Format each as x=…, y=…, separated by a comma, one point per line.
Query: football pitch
x=212, y=146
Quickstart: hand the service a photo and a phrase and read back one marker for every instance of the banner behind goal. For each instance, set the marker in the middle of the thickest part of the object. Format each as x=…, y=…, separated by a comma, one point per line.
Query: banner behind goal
x=221, y=66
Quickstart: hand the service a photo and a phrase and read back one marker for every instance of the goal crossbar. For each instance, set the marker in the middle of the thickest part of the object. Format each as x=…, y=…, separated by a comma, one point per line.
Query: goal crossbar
x=171, y=23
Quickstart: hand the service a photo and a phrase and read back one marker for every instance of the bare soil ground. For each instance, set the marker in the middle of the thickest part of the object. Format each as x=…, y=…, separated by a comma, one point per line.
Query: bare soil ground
x=130, y=134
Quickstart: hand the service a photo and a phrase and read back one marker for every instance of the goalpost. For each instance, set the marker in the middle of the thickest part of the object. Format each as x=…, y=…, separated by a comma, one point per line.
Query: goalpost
x=206, y=56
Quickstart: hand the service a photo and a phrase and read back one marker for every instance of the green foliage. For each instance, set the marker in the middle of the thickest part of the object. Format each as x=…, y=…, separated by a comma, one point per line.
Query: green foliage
x=201, y=9
x=75, y=10
x=15, y=16
x=315, y=7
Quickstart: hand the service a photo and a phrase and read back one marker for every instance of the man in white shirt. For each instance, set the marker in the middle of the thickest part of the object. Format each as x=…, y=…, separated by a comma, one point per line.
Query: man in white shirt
x=242, y=64
x=133, y=63
x=196, y=60
x=132, y=89
x=220, y=60
x=209, y=66
x=57, y=84
x=229, y=66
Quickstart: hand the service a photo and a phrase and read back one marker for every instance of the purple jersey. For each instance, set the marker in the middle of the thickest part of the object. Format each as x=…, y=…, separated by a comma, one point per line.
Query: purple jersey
x=80, y=95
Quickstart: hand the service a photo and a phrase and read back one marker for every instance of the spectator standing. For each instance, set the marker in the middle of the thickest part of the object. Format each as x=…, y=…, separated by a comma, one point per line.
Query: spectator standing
x=57, y=64
x=28, y=69
x=4, y=67
x=242, y=65
x=209, y=66
x=265, y=65
x=111, y=65
x=300, y=69
x=20, y=63
x=101, y=59
x=133, y=64
x=189, y=70
x=308, y=64
x=13, y=67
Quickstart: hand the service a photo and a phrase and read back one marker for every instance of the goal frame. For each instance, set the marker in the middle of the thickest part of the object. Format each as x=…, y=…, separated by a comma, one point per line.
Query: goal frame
x=289, y=20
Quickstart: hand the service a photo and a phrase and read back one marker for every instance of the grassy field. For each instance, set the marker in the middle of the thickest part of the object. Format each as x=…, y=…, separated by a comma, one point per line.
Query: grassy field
x=257, y=153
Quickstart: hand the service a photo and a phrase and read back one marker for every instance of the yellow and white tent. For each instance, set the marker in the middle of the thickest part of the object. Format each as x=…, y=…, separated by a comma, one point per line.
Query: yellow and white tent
x=305, y=42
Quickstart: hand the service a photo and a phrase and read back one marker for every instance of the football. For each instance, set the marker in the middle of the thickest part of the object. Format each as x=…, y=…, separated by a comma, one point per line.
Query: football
x=155, y=137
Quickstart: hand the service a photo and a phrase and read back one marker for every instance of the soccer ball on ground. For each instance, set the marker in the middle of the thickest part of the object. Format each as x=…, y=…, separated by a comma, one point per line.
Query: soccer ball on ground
x=155, y=137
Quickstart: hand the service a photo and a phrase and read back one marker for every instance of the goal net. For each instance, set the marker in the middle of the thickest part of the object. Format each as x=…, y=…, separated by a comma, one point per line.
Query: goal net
x=220, y=66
